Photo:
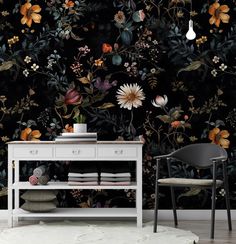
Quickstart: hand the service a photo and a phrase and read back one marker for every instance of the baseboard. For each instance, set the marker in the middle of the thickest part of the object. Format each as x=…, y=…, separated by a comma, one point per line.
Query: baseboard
x=3, y=214
x=168, y=214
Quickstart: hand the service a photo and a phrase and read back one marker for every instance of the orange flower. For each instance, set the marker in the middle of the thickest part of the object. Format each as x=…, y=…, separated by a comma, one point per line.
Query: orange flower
x=218, y=13
x=176, y=124
x=30, y=13
x=106, y=48
x=28, y=135
x=218, y=137
x=68, y=128
x=68, y=4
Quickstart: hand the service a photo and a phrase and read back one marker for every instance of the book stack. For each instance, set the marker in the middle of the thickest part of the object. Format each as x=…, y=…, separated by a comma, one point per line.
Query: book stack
x=82, y=173
x=77, y=137
x=118, y=175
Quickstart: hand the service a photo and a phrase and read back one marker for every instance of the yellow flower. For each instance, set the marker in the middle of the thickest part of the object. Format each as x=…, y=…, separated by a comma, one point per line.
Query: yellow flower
x=28, y=135
x=218, y=137
x=98, y=62
x=30, y=14
x=5, y=138
x=218, y=13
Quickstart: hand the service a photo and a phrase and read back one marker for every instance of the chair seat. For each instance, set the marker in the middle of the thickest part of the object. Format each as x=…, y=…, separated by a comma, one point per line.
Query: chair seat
x=188, y=182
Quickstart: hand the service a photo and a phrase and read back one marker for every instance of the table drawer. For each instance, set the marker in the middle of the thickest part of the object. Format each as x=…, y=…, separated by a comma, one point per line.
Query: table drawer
x=33, y=152
x=117, y=152
x=75, y=152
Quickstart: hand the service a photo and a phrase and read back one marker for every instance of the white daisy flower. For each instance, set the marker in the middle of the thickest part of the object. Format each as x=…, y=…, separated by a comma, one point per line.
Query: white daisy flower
x=129, y=96
x=25, y=73
x=34, y=67
x=216, y=59
x=222, y=192
x=214, y=72
x=160, y=101
x=5, y=13
x=223, y=67
x=155, y=42
x=27, y=59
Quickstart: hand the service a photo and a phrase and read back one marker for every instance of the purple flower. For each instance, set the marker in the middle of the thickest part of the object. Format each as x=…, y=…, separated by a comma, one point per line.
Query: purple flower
x=104, y=85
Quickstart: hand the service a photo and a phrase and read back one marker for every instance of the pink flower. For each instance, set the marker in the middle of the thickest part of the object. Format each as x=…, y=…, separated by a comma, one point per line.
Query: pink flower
x=160, y=101
x=141, y=15
x=73, y=97
x=186, y=117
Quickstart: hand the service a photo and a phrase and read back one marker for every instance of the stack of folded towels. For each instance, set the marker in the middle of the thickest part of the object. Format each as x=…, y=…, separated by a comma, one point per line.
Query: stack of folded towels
x=83, y=173
x=115, y=174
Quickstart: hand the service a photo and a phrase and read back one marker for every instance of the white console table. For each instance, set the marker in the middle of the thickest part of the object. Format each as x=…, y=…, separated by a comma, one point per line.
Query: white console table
x=50, y=150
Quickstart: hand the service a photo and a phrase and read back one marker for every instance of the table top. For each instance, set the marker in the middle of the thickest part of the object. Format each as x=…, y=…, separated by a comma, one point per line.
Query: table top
x=68, y=142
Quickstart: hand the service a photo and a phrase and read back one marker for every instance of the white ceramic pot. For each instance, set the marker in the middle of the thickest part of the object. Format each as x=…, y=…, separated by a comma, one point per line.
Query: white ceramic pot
x=80, y=128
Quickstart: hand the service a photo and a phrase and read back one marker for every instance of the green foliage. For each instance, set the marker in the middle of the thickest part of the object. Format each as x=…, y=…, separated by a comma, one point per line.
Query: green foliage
x=80, y=119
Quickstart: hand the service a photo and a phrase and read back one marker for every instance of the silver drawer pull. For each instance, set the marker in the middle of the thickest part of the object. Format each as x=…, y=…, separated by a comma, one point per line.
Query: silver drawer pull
x=76, y=152
x=33, y=152
x=119, y=152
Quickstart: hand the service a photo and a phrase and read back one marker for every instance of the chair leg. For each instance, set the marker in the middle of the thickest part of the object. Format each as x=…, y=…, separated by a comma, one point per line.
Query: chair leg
x=172, y=194
x=174, y=205
x=226, y=186
x=213, y=202
x=156, y=207
x=213, y=212
x=156, y=197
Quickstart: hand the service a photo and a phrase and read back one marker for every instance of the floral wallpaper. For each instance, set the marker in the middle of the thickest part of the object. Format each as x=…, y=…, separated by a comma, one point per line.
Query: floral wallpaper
x=127, y=67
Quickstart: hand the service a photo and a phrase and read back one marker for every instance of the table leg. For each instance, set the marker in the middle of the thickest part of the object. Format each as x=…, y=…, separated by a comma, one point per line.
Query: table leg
x=139, y=195
x=10, y=222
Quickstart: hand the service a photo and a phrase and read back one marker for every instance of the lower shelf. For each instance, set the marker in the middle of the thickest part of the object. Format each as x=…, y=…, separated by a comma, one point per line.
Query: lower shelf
x=81, y=212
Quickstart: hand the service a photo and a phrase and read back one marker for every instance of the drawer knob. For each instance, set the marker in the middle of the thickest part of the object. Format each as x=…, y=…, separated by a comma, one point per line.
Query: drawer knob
x=76, y=152
x=119, y=152
x=33, y=152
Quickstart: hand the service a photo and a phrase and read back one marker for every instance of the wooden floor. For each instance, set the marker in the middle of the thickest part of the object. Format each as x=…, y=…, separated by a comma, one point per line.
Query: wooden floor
x=202, y=229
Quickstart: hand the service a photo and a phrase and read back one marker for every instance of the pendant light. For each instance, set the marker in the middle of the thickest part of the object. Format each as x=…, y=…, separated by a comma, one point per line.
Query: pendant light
x=190, y=35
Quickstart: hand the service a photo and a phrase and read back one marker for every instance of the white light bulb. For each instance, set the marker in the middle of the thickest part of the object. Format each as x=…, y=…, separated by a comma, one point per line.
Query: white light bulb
x=190, y=34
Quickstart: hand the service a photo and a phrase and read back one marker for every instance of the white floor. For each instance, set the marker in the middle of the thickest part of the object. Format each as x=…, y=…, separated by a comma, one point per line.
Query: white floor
x=87, y=232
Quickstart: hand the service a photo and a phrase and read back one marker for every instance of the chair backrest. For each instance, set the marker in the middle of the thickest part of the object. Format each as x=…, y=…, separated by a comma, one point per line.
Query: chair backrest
x=199, y=155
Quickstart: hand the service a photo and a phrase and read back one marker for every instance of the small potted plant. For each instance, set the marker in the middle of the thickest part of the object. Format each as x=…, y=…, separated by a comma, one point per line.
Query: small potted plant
x=80, y=126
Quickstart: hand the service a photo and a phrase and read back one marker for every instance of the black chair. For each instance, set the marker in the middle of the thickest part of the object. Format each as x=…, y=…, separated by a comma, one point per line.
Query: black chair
x=201, y=156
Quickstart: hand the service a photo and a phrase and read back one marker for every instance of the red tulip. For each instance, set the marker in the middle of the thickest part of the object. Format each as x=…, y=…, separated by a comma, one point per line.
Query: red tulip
x=73, y=97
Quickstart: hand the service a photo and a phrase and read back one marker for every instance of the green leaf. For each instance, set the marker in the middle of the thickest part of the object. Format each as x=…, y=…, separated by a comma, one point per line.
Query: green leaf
x=193, y=66
x=86, y=80
x=106, y=105
x=175, y=113
x=164, y=118
x=192, y=192
x=6, y=65
x=88, y=90
x=187, y=125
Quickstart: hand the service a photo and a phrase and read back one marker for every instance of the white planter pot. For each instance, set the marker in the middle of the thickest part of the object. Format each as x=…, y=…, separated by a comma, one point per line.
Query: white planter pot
x=80, y=128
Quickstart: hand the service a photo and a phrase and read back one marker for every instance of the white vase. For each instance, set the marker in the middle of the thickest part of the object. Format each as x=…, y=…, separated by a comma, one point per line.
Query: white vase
x=80, y=128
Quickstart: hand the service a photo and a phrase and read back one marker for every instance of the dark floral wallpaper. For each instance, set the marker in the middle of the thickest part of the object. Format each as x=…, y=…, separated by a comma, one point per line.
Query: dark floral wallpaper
x=127, y=67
